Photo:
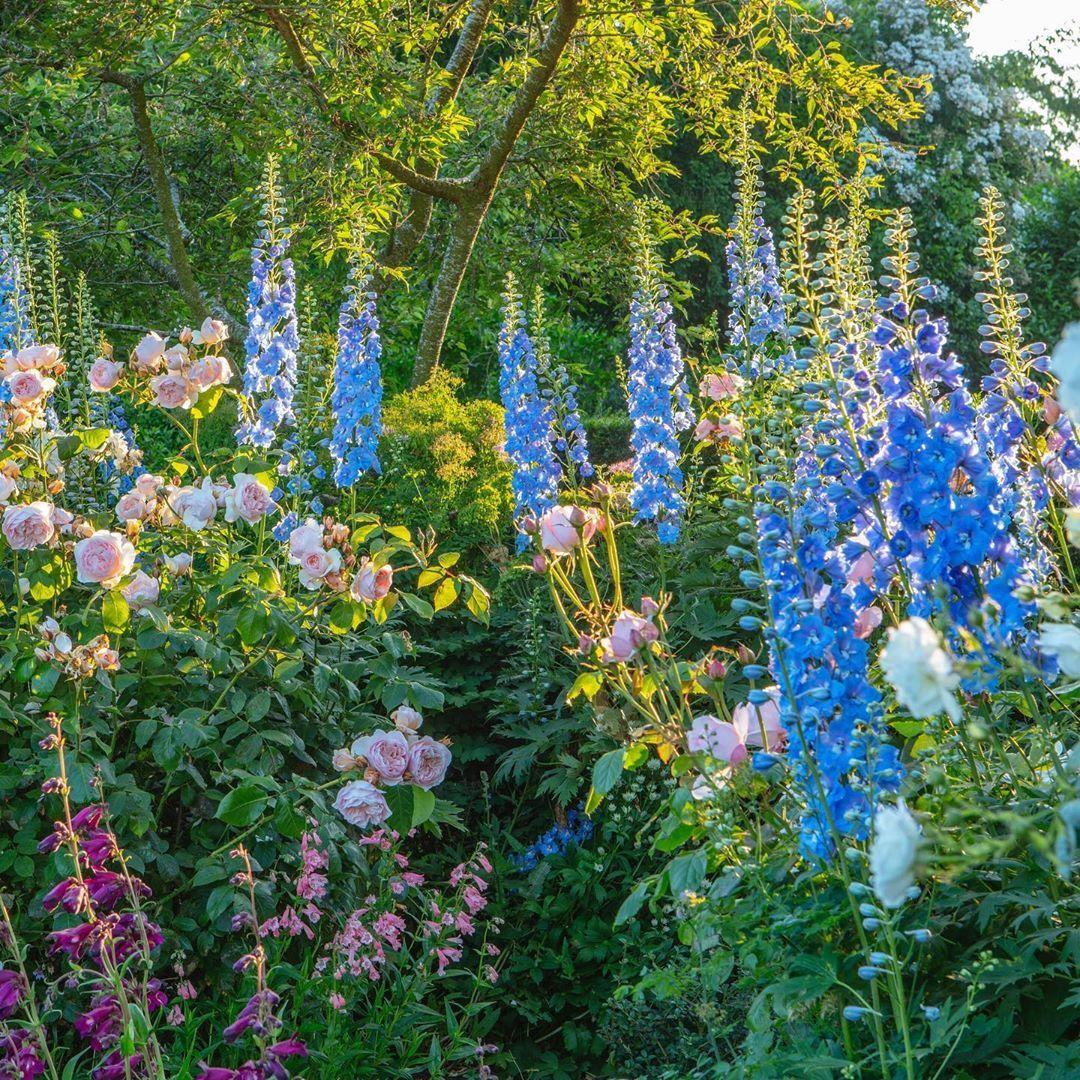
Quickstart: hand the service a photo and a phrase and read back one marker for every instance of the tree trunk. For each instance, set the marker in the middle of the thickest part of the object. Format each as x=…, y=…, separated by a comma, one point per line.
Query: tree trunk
x=170, y=220
x=455, y=262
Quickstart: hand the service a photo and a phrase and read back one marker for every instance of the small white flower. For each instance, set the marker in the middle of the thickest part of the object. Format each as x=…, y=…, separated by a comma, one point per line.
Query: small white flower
x=893, y=853
x=1062, y=640
x=920, y=670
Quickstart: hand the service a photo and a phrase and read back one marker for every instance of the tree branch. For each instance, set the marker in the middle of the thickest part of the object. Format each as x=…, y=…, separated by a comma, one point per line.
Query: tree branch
x=159, y=179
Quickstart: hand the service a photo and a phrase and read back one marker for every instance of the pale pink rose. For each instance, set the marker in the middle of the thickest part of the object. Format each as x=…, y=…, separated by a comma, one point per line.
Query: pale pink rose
x=104, y=374
x=867, y=621
x=29, y=387
x=371, y=584
x=562, y=528
x=316, y=563
x=247, y=499
x=141, y=590
x=37, y=356
x=149, y=349
x=343, y=761
x=388, y=754
x=719, y=387
x=147, y=485
x=175, y=358
x=406, y=719
x=629, y=635
x=174, y=391
x=718, y=431
x=862, y=569
x=107, y=659
x=362, y=804
x=179, y=565
x=131, y=506
x=29, y=525
x=104, y=558
x=760, y=724
x=212, y=332
x=8, y=487
x=722, y=740
x=210, y=371
x=196, y=507
x=304, y=538
x=62, y=520
x=428, y=762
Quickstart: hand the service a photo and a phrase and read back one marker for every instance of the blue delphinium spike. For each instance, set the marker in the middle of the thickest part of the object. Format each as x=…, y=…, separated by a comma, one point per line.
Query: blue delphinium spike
x=272, y=342
x=357, y=395
x=528, y=416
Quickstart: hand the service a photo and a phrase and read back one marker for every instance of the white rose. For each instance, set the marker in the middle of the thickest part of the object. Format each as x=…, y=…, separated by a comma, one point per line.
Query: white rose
x=195, y=506
x=893, y=852
x=304, y=538
x=141, y=590
x=1062, y=640
x=179, y=565
x=920, y=670
x=149, y=348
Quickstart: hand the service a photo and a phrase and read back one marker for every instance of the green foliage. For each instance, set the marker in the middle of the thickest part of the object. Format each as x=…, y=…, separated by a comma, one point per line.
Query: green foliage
x=442, y=464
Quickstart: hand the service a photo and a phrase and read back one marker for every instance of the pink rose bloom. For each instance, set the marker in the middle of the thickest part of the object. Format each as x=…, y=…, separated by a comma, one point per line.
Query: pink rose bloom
x=28, y=387
x=722, y=740
x=428, y=762
x=407, y=720
x=37, y=356
x=361, y=804
x=304, y=538
x=562, y=528
x=141, y=590
x=371, y=584
x=760, y=724
x=212, y=332
x=867, y=621
x=247, y=499
x=107, y=659
x=131, y=506
x=719, y=387
x=8, y=487
x=62, y=520
x=28, y=526
x=196, y=507
x=104, y=558
x=174, y=391
x=176, y=358
x=179, y=565
x=316, y=563
x=149, y=349
x=104, y=374
x=388, y=754
x=210, y=371
x=862, y=569
x=147, y=485
x=629, y=635
x=712, y=431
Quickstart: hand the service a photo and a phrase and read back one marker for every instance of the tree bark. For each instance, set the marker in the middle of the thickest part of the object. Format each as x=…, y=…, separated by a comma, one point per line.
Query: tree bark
x=163, y=196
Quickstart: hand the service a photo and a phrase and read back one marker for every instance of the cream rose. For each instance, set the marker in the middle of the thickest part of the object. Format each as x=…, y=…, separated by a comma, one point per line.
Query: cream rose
x=29, y=525
x=179, y=565
x=104, y=558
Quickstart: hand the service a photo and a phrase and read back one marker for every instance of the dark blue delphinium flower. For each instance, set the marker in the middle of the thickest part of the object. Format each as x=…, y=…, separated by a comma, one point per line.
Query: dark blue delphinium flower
x=556, y=841
x=828, y=705
x=659, y=410
x=357, y=396
x=529, y=418
x=272, y=342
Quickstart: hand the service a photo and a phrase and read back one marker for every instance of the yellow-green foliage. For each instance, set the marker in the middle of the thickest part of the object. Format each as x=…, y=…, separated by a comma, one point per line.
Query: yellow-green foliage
x=442, y=462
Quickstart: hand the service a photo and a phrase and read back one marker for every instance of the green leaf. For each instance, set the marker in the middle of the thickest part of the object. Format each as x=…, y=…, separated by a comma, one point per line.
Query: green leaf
x=115, y=612
x=587, y=683
x=410, y=806
x=686, y=872
x=251, y=625
x=607, y=770
x=636, y=755
x=419, y=605
x=45, y=680
x=632, y=904
x=242, y=805
x=207, y=403
x=446, y=593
